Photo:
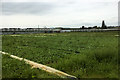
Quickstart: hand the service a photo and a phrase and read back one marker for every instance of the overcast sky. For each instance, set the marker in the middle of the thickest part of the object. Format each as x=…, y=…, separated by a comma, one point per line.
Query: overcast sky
x=58, y=13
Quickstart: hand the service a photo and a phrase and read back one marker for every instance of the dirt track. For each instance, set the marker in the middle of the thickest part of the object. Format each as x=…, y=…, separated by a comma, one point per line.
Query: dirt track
x=42, y=67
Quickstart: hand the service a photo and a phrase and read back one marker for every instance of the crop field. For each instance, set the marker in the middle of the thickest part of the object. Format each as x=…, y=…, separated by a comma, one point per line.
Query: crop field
x=81, y=54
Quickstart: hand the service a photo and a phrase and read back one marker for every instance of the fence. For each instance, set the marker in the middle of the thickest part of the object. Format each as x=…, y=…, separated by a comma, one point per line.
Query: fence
x=48, y=30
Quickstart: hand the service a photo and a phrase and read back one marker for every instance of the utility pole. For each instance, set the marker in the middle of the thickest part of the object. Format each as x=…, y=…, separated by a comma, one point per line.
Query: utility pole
x=38, y=27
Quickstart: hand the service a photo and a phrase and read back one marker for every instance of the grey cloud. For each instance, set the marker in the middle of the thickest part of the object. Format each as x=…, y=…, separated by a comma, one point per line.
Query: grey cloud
x=37, y=8
x=119, y=13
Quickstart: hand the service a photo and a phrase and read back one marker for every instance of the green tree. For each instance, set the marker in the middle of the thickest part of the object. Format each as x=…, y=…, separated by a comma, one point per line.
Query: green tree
x=95, y=27
x=83, y=27
x=103, y=25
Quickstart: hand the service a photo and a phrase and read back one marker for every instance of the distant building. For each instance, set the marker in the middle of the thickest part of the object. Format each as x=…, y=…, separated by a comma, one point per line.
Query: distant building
x=56, y=30
x=65, y=30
